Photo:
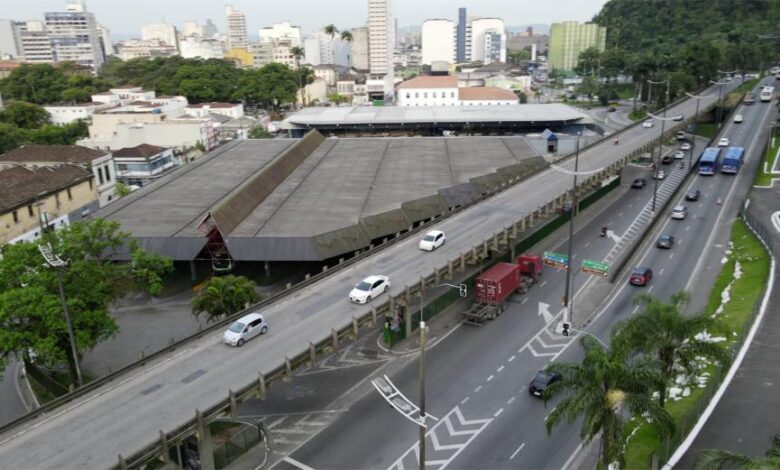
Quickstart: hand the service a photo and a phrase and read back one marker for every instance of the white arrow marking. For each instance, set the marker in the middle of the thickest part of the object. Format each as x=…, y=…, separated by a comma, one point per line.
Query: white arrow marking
x=544, y=311
x=614, y=237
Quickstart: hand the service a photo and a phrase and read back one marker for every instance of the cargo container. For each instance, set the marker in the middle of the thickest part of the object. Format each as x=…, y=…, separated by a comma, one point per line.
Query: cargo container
x=497, y=283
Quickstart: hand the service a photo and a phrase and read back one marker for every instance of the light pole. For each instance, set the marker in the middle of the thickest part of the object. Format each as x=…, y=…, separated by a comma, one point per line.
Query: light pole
x=567, y=300
x=422, y=394
x=660, y=139
x=720, y=100
x=693, y=133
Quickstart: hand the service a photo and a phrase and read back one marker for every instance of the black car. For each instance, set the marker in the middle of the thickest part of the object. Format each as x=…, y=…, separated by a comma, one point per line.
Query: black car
x=639, y=183
x=692, y=195
x=665, y=241
x=542, y=380
x=611, y=109
x=666, y=160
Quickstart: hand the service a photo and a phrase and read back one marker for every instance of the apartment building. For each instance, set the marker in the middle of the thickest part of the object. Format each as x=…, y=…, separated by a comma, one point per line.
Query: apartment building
x=74, y=35
x=438, y=41
x=236, y=28
x=568, y=39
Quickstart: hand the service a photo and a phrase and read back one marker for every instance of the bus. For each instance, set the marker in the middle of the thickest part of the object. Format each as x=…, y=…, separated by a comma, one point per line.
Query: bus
x=708, y=161
x=766, y=93
x=732, y=161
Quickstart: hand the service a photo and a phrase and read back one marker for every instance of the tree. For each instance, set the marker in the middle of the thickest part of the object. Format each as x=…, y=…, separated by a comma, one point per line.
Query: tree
x=605, y=383
x=29, y=293
x=12, y=137
x=272, y=86
x=122, y=189
x=24, y=115
x=35, y=83
x=588, y=62
x=260, y=132
x=224, y=295
x=331, y=30
x=346, y=36
x=663, y=331
x=716, y=459
x=337, y=98
x=298, y=53
x=80, y=88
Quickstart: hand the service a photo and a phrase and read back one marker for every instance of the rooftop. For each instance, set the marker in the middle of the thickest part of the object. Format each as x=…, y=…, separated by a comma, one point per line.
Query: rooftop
x=20, y=185
x=140, y=151
x=213, y=105
x=485, y=93
x=430, y=82
x=51, y=154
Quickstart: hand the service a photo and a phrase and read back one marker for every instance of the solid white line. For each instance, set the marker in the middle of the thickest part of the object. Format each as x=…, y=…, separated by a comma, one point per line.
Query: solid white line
x=729, y=376
x=476, y=390
x=463, y=402
x=671, y=255
x=295, y=463
x=542, y=284
x=509, y=402
x=500, y=369
x=490, y=378
x=518, y=450
x=573, y=456
x=661, y=271
x=498, y=413
x=636, y=309
x=524, y=301
x=511, y=358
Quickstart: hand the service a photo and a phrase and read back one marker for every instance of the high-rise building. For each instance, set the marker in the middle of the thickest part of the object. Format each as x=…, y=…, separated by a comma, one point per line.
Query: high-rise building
x=34, y=44
x=209, y=29
x=74, y=35
x=487, y=40
x=162, y=32
x=569, y=38
x=105, y=40
x=9, y=40
x=191, y=28
x=359, y=49
x=460, y=46
x=196, y=46
x=380, y=37
x=438, y=41
x=281, y=31
x=236, y=28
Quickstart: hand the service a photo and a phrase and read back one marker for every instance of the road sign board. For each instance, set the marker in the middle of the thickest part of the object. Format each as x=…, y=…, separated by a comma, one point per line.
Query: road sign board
x=595, y=267
x=555, y=260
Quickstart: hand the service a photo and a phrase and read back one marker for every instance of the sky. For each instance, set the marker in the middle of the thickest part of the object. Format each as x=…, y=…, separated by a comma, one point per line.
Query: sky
x=126, y=17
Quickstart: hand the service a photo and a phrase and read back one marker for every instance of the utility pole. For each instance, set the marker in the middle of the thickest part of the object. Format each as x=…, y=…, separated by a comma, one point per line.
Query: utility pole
x=422, y=393
x=656, y=161
x=567, y=300
x=693, y=133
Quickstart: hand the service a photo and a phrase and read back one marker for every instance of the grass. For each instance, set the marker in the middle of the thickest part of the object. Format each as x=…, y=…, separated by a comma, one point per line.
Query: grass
x=637, y=115
x=764, y=178
x=745, y=293
x=707, y=130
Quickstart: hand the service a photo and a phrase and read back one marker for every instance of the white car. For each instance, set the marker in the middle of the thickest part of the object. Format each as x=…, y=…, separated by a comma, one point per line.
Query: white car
x=659, y=175
x=724, y=142
x=679, y=155
x=369, y=288
x=432, y=240
x=679, y=212
x=680, y=135
x=685, y=146
x=738, y=119
x=648, y=123
x=244, y=329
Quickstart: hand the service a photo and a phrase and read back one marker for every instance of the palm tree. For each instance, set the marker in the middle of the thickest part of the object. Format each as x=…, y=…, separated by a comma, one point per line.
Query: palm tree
x=223, y=295
x=716, y=459
x=297, y=53
x=600, y=388
x=663, y=331
x=347, y=36
x=331, y=30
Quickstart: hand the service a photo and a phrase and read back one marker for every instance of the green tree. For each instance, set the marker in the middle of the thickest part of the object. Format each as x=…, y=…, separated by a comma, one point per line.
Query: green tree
x=122, y=189
x=663, y=331
x=224, y=295
x=588, y=62
x=337, y=98
x=717, y=459
x=34, y=83
x=24, y=115
x=599, y=389
x=331, y=30
x=80, y=88
x=589, y=86
x=346, y=36
x=12, y=137
x=29, y=293
x=271, y=86
x=260, y=132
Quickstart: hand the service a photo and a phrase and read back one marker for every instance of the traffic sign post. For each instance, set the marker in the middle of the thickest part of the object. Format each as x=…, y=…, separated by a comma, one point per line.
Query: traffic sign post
x=555, y=260
x=596, y=268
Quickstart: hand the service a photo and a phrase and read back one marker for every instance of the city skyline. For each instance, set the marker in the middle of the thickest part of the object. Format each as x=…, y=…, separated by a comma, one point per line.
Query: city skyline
x=346, y=13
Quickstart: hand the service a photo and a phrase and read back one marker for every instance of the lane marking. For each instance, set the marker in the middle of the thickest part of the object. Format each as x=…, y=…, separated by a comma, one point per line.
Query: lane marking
x=636, y=309
x=518, y=450
x=671, y=255
x=542, y=284
x=476, y=390
x=463, y=402
x=510, y=401
x=297, y=464
x=500, y=369
x=490, y=378
x=661, y=271
x=497, y=413
x=511, y=358
x=524, y=301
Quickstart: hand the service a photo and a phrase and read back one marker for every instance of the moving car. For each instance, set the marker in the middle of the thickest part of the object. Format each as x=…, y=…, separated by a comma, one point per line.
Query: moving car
x=640, y=276
x=679, y=117
x=639, y=183
x=541, y=381
x=738, y=118
x=724, y=142
x=680, y=135
x=648, y=123
x=679, y=212
x=244, y=329
x=369, y=288
x=666, y=160
x=659, y=175
x=685, y=146
x=432, y=240
x=679, y=155
x=692, y=195
x=665, y=241
x=611, y=109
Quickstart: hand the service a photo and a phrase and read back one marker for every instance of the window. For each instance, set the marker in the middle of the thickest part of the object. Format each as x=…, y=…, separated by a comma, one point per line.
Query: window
x=70, y=195
x=16, y=217
x=416, y=94
x=425, y=95
x=434, y=94
x=100, y=175
x=452, y=95
x=30, y=211
x=407, y=94
x=57, y=199
x=108, y=173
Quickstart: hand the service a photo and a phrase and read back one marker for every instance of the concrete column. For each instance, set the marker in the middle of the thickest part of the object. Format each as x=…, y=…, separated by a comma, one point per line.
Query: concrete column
x=261, y=391
x=164, y=450
x=355, y=327
x=462, y=262
x=449, y=270
x=267, y=267
x=334, y=337
x=313, y=350
x=193, y=271
x=287, y=369
x=408, y=320
x=233, y=405
x=205, y=446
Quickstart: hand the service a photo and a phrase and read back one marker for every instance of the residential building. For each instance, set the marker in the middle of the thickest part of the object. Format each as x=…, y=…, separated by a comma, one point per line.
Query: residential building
x=438, y=41
x=74, y=35
x=34, y=42
x=381, y=43
x=568, y=39
x=46, y=196
x=238, y=129
x=518, y=42
x=62, y=114
x=262, y=53
x=241, y=57
x=321, y=48
x=330, y=73
x=8, y=66
x=163, y=32
x=9, y=41
x=142, y=164
x=191, y=28
x=283, y=53
x=353, y=87
x=445, y=91
x=487, y=40
x=283, y=31
x=231, y=110
x=314, y=92
x=105, y=41
x=236, y=28
x=359, y=49
x=99, y=162
x=460, y=43
x=196, y=46
x=209, y=29
x=146, y=48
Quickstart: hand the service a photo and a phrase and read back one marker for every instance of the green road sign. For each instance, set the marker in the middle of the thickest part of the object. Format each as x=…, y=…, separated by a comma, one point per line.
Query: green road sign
x=556, y=260
x=595, y=267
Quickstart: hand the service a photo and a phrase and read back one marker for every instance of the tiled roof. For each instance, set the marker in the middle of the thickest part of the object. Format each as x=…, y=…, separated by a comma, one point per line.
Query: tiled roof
x=139, y=151
x=431, y=82
x=19, y=185
x=484, y=93
x=51, y=154
x=213, y=105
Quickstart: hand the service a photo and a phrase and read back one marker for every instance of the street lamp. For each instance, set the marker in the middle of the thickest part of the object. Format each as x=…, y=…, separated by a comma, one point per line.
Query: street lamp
x=695, y=122
x=567, y=300
x=720, y=100
x=656, y=162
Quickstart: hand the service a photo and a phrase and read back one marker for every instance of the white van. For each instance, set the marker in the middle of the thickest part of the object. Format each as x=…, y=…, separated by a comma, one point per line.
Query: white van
x=244, y=329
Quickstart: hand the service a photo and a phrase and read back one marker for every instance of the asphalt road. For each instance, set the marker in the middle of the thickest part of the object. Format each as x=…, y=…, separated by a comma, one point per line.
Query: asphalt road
x=13, y=407
x=127, y=414
x=477, y=377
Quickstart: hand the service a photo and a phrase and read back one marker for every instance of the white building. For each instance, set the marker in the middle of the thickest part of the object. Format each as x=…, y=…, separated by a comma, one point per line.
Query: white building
x=144, y=163
x=381, y=42
x=209, y=29
x=34, y=42
x=74, y=35
x=148, y=48
x=191, y=28
x=195, y=46
x=9, y=41
x=236, y=28
x=163, y=32
x=359, y=49
x=231, y=110
x=321, y=48
x=487, y=40
x=444, y=91
x=280, y=32
x=105, y=40
x=438, y=41
x=68, y=113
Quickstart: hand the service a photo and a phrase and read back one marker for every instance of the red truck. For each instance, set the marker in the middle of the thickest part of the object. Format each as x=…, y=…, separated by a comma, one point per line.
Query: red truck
x=499, y=282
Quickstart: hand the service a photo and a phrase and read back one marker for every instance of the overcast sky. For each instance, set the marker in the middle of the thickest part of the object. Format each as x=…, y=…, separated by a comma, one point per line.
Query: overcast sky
x=127, y=16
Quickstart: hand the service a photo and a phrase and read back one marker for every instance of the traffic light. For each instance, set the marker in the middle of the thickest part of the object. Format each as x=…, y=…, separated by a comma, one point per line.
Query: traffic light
x=463, y=290
x=566, y=327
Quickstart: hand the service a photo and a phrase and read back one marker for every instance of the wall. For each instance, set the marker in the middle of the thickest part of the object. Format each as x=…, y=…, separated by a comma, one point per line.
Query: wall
x=438, y=41
x=427, y=97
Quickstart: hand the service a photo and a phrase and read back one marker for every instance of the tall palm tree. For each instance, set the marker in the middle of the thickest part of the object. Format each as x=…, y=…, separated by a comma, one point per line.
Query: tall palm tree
x=346, y=36
x=297, y=53
x=331, y=30
x=663, y=331
x=711, y=459
x=223, y=295
x=604, y=385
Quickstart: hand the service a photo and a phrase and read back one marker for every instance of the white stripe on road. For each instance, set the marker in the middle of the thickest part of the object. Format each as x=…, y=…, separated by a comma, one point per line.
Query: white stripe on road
x=498, y=413
x=297, y=464
x=476, y=390
x=463, y=402
x=490, y=378
x=518, y=450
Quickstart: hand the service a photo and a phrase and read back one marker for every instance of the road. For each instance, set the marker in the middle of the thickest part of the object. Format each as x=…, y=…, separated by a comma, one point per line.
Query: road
x=477, y=377
x=13, y=406
x=127, y=414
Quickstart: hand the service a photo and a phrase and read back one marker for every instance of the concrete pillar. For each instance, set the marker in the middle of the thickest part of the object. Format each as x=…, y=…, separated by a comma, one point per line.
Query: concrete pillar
x=462, y=262
x=233, y=405
x=164, y=450
x=193, y=271
x=373, y=317
x=287, y=369
x=312, y=354
x=355, y=327
x=408, y=320
x=267, y=267
x=334, y=338
x=205, y=446
x=449, y=270
x=261, y=386
x=122, y=463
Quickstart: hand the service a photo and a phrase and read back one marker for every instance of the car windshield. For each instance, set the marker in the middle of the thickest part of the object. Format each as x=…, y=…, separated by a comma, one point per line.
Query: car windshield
x=237, y=327
x=638, y=272
x=364, y=286
x=429, y=238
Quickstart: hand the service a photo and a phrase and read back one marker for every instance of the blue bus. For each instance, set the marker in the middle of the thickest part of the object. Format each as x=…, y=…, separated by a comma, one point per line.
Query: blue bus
x=708, y=161
x=732, y=160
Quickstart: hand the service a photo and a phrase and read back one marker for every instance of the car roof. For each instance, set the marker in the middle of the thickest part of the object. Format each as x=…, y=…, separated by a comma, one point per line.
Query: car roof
x=679, y=207
x=249, y=317
x=666, y=237
x=641, y=270
x=374, y=278
x=434, y=232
